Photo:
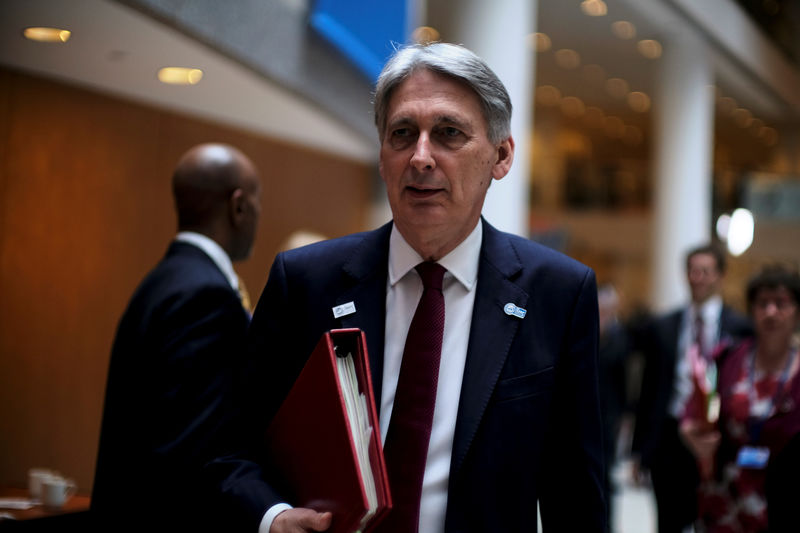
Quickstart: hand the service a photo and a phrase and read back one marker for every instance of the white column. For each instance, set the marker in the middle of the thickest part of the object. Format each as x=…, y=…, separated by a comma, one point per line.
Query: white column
x=683, y=128
x=497, y=31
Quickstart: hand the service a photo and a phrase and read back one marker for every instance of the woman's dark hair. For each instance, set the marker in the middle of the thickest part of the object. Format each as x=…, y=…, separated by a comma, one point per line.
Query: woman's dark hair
x=773, y=277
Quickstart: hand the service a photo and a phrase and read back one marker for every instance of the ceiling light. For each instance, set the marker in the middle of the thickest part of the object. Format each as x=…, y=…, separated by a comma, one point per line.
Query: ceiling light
x=639, y=102
x=594, y=8
x=180, y=75
x=425, y=35
x=623, y=29
x=548, y=95
x=540, y=42
x=568, y=59
x=649, y=48
x=47, y=35
x=742, y=117
x=768, y=135
x=572, y=106
x=617, y=87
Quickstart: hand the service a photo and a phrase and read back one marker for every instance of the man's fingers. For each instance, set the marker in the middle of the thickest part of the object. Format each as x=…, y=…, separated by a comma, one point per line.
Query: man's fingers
x=317, y=521
x=301, y=520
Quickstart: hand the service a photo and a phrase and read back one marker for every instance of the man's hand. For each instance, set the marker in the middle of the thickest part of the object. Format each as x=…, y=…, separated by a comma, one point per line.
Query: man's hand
x=300, y=521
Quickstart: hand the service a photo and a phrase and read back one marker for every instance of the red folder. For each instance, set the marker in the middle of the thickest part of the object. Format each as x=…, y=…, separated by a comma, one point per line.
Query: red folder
x=311, y=444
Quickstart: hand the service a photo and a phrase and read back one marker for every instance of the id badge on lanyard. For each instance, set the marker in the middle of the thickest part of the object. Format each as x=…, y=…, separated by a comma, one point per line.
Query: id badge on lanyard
x=752, y=456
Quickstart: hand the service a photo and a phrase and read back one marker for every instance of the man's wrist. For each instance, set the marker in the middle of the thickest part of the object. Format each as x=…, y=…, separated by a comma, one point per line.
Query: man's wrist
x=269, y=516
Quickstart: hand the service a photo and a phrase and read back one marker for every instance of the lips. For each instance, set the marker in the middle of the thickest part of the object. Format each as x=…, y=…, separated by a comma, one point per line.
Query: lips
x=422, y=192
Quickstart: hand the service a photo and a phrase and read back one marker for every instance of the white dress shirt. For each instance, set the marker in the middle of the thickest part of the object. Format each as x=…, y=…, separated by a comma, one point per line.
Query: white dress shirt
x=403, y=292
x=710, y=312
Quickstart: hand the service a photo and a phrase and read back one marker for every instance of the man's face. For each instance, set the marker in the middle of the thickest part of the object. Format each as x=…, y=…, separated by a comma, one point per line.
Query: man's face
x=250, y=213
x=704, y=277
x=436, y=159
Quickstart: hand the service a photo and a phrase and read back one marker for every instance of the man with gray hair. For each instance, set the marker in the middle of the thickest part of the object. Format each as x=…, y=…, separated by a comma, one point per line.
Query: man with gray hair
x=502, y=411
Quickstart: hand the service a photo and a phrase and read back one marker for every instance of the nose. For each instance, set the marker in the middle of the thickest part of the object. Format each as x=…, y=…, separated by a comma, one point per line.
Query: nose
x=422, y=158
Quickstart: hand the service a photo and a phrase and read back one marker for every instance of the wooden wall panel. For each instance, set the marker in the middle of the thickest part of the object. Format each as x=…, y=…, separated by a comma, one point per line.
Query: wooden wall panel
x=86, y=212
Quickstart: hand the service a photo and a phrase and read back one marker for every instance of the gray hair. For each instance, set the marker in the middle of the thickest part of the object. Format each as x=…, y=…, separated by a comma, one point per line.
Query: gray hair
x=455, y=62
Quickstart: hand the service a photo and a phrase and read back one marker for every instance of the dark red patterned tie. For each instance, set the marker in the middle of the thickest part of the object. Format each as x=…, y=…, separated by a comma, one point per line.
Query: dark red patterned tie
x=406, y=447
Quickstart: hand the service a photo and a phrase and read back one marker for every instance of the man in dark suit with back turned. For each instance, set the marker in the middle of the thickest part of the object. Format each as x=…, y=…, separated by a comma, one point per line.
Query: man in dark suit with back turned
x=705, y=324
x=177, y=357
x=516, y=418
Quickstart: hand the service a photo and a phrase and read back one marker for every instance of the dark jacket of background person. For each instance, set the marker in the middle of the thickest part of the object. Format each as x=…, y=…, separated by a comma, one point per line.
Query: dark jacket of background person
x=176, y=354
x=656, y=439
x=783, y=488
x=177, y=359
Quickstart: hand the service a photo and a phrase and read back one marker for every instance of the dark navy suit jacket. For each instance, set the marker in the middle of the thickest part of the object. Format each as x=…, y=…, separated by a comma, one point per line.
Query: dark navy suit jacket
x=175, y=364
x=528, y=424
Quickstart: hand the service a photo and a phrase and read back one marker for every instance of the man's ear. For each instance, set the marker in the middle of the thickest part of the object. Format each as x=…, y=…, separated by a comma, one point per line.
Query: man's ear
x=505, y=156
x=236, y=207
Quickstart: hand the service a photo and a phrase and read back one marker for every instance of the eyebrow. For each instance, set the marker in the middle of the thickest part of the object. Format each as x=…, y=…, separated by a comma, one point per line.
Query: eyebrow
x=439, y=119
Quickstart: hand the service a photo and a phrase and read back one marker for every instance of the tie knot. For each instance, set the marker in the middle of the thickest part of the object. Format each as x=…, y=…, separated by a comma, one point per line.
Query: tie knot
x=431, y=274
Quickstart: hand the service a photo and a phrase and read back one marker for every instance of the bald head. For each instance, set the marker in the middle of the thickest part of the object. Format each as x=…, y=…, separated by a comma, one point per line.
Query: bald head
x=217, y=189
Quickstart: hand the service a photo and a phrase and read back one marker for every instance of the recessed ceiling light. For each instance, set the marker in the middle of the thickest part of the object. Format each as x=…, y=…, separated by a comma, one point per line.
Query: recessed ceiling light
x=180, y=75
x=639, y=101
x=425, y=35
x=568, y=59
x=742, y=117
x=594, y=8
x=617, y=87
x=624, y=29
x=548, y=95
x=649, y=48
x=572, y=106
x=47, y=35
x=540, y=41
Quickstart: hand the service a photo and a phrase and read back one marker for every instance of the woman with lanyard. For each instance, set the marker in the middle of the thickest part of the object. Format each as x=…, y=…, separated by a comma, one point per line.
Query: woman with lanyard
x=759, y=394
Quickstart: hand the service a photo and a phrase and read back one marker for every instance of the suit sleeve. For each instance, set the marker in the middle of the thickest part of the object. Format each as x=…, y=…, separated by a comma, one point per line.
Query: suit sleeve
x=573, y=497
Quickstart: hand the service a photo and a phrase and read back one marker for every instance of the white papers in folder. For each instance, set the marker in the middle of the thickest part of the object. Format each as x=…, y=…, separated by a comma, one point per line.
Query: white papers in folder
x=360, y=430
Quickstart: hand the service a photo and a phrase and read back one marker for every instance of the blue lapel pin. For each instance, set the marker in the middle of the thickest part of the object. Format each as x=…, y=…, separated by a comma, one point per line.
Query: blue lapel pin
x=512, y=310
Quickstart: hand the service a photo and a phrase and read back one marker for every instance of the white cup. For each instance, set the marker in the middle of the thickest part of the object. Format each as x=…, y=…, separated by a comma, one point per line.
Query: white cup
x=56, y=490
x=35, y=478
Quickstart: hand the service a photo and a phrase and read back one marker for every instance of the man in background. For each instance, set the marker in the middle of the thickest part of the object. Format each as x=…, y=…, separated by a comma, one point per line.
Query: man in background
x=487, y=405
x=704, y=324
x=176, y=359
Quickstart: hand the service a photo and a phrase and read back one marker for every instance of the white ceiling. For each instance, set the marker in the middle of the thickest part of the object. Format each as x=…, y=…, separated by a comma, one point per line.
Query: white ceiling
x=118, y=50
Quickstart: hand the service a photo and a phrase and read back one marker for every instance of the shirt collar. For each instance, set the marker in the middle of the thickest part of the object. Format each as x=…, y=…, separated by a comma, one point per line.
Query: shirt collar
x=709, y=310
x=461, y=262
x=212, y=250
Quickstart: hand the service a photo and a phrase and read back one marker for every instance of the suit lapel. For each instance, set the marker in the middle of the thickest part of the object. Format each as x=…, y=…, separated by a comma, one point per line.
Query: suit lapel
x=491, y=335
x=367, y=271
